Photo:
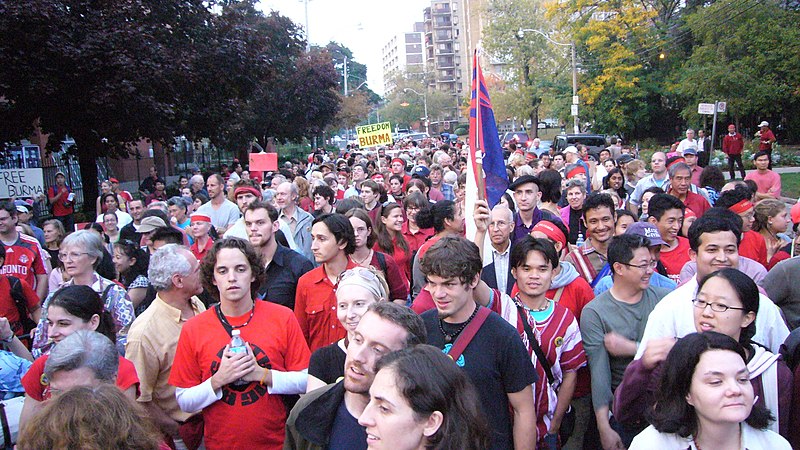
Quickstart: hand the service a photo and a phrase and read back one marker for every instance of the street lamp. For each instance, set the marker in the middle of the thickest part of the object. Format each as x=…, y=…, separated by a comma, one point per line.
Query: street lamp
x=521, y=34
x=425, y=104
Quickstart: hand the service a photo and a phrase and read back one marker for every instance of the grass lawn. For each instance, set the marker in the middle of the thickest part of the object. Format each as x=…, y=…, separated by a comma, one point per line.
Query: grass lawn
x=790, y=185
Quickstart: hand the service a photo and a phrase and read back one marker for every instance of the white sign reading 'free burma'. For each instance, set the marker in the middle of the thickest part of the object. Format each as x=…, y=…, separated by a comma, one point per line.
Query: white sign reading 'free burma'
x=21, y=183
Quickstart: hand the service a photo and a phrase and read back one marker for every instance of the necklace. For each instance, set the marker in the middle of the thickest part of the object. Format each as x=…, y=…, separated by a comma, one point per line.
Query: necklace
x=448, y=338
x=531, y=310
x=225, y=323
x=361, y=263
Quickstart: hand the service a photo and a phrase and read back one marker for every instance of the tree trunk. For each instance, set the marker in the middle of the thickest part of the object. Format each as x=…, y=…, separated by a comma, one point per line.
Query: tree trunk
x=87, y=159
x=535, y=122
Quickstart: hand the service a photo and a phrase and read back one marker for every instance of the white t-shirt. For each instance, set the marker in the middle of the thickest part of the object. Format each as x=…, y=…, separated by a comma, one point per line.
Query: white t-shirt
x=686, y=143
x=226, y=214
x=123, y=218
x=674, y=317
x=752, y=439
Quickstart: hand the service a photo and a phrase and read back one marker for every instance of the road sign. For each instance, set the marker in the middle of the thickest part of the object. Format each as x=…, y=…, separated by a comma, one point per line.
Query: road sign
x=574, y=110
x=721, y=106
x=574, y=99
x=705, y=108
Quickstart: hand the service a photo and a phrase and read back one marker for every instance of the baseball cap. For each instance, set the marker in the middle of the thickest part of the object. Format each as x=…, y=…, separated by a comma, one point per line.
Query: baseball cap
x=795, y=213
x=113, y=180
x=624, y=159
x=690, y=151
x=151, y=223
x=61, y=173
x=421, y=171
x=571, y=149
x=763, y=124
x=646, y=229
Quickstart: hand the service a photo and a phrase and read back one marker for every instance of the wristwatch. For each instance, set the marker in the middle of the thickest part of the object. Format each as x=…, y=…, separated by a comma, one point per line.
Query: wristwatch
x=8, y=339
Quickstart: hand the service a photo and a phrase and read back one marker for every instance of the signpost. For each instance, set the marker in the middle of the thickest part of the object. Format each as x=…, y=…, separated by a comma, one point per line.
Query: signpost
x=709, y=109
x=21, y=183
x=374, y=135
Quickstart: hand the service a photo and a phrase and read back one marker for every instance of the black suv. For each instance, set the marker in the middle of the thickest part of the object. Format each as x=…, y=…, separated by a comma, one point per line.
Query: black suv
x=593, y=142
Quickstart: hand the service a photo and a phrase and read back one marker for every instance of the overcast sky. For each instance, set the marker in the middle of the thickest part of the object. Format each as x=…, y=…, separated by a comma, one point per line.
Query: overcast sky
x=364, y=26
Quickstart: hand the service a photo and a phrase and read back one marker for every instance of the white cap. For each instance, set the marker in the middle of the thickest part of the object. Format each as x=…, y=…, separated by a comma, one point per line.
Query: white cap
x=763, y=124
x=571, y=149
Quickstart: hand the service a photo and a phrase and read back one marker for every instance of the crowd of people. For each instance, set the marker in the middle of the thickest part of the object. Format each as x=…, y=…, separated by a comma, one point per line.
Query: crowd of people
x=605, y=302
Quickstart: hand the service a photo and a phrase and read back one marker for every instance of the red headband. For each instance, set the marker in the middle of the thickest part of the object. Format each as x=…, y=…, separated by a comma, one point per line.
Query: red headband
x=742, y=206
x=551, y=231
x=575, y=171
x=689, y=213
x=200, y=218
x=400, y=160
x=243, y=189
x=676, y=161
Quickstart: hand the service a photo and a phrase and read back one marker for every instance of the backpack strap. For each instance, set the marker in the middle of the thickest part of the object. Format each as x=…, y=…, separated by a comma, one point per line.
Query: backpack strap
x=469, y=332
x=537, y=349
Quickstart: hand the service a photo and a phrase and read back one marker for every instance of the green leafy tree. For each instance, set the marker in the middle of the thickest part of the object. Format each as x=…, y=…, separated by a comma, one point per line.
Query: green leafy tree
x=405, y=109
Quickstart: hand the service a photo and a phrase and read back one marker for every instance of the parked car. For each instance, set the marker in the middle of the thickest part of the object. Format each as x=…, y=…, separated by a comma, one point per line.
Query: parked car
x=594, y=142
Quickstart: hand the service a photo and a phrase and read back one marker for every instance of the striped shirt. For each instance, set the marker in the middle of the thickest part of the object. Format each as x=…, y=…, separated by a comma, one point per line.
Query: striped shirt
x=24, y=259
x=560, y=340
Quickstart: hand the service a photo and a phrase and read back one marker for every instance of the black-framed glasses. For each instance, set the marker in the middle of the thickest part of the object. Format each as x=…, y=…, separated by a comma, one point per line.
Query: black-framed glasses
x=716, y=307
x=648, y=265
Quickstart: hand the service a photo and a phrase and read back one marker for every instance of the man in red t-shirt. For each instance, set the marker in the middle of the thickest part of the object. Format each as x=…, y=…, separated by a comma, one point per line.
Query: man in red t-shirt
x=239, y=392
x=666, y=213
x=333, y=240
x=11, y=286
x=766, y=139
x=63, y=206
x=24, y=256
x=680, y=185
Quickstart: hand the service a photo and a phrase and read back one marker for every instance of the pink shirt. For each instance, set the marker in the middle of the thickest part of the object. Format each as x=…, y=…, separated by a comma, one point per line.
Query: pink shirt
x=768, y=183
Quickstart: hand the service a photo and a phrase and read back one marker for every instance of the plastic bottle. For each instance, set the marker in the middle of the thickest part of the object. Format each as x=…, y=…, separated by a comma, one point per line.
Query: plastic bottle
x=237, y=346
x=579, y=241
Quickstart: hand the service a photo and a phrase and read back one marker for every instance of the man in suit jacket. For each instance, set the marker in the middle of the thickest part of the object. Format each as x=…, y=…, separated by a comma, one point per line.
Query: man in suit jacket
x=497, y=268
x=703, y=148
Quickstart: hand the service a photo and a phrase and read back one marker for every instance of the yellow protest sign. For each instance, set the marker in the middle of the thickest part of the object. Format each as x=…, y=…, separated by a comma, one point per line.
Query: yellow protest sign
x=374, y=134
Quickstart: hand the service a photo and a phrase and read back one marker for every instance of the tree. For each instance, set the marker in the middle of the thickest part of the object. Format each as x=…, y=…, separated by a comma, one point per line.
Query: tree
x=754, y=65
x=406, y=109
x=354, y=110
x=356, y=72
x=535, y=67
x=112, y=73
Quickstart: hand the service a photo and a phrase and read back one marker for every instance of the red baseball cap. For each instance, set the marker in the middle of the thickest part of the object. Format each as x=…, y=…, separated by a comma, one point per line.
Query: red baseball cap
x=795, y=212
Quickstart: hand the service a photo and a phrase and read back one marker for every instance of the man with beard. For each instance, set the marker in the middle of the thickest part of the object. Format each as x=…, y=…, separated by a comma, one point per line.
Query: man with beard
x=328, y=417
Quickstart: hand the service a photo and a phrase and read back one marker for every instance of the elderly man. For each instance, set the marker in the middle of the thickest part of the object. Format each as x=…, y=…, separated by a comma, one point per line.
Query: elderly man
x=496, y=253
x=198, y=185
x=680, y=184
x=175, y=274
x=298, y=221
x=658, y=164
x=689, y=142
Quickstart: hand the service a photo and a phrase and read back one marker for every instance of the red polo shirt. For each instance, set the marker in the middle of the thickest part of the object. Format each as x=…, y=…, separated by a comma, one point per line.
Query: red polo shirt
x=695, y=202
x=315, y=308
x=198, y=252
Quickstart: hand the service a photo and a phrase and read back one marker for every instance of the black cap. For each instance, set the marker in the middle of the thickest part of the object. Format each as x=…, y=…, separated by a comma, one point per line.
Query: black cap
x=525, y=179
x=624, y=159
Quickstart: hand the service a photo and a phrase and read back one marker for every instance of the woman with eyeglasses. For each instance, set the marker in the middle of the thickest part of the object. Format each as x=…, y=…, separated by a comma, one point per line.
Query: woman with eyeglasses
x=727, y=303
x=131, y=263
x=70, y=309
x=365, y=256
x=707, y=399
x=356, y=289
x=81, y=253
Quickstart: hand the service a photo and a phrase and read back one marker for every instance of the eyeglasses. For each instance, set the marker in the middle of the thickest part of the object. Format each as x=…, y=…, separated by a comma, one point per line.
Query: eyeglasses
x=717, y=307
x=649, y=265
x=71, y=256
x=362, y=272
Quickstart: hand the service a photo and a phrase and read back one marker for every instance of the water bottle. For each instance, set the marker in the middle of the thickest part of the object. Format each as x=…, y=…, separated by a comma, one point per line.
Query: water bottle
x=579, y=241
x=237, y=346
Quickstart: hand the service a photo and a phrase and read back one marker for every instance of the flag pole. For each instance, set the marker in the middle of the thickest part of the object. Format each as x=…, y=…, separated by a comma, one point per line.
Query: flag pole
x=481, y=181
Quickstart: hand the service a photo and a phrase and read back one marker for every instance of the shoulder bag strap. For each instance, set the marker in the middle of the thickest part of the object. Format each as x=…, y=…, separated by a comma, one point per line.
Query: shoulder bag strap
x=469, y=332
x=537, y=350
x=558, y=295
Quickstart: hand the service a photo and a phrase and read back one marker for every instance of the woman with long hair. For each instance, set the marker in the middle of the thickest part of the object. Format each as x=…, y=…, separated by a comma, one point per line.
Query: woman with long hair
x=365, y=255
x=550, y=187
x=727, y=302
x=131, y=263
x=772, y=219
x=304, y=199
x=356, y=289
x=111, y=203
x=433, y=404
x=390, y=240
x=72, y=308
x=615, y=181
x=705, y=400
